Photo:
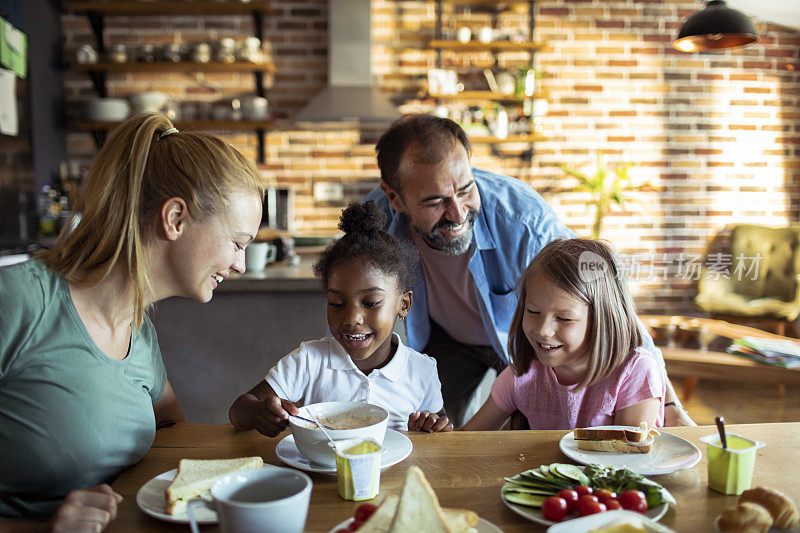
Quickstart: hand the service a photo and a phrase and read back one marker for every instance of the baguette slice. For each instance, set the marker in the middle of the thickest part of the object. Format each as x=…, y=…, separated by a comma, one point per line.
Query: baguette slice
x=196, y=476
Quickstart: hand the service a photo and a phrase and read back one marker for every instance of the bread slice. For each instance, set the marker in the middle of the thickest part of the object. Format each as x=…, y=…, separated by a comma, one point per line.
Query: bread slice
x=196, y=476
x=617, y=446
x=418, y=509
x=381, y=520
x=621, y=440
x=460, y=520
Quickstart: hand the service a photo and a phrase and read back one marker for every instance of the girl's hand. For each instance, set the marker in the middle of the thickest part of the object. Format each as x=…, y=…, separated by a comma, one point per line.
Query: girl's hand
x=272, y=415
x=87, y=510
x=430, y=422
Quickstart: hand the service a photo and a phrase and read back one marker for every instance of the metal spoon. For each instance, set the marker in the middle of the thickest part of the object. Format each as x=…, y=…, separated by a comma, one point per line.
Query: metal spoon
x=322, y=427
x=721, y=428
x=319, y=424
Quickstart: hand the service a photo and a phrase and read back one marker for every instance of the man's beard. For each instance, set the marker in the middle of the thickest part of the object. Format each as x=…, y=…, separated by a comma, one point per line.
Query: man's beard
x=454, y=246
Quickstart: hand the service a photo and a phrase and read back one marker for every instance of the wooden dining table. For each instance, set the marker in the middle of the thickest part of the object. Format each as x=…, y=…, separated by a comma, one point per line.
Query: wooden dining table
x=466, y=470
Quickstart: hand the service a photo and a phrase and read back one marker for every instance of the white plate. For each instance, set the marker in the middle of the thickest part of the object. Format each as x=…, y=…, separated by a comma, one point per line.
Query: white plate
x=483, y=526
x=396, y=448
x=535, y=515
x=594, y=521
x=152, y=501
x=670, y=453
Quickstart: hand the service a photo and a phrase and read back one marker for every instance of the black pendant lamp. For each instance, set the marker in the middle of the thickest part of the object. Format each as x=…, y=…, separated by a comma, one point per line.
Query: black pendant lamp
x=716, y=26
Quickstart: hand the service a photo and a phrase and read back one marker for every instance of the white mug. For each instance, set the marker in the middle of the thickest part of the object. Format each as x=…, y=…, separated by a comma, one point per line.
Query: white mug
x=258, y=254
x=271, y=499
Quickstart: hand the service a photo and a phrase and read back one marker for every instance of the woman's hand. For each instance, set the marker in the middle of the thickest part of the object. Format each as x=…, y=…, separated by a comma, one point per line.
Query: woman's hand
x=86, y=510
x=430, y=422
x=272, y=415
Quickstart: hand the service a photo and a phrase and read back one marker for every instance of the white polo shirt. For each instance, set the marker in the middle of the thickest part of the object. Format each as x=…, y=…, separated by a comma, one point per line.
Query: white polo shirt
x=322, y=371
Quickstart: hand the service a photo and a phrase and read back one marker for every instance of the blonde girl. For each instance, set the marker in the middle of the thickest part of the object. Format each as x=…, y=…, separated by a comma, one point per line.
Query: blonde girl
x=82, y=383
x=576, y=344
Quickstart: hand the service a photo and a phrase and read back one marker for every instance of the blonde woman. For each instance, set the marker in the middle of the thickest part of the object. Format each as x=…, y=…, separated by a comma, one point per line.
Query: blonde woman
x=578, y=359
x=82, y=383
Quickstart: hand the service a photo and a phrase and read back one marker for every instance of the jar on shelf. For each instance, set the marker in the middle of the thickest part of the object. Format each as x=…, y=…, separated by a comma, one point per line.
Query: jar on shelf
x=201, y=53
x=226, y=50
x=147, y=53
x=250, y=50
x=172, y=53
x=118, y=53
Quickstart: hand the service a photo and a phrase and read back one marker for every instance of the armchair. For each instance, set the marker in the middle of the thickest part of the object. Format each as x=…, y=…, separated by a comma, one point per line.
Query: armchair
x=762, y=286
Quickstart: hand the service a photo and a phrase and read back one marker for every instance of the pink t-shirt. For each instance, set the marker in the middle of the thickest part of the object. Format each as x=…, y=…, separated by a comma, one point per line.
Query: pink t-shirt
x=550, y=405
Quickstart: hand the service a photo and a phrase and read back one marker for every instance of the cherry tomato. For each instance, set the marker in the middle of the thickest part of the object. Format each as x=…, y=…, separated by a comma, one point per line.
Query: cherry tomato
x=355, y=524
x=604, y=494
x=612, y=505
x=554, y=509
x=633, y=500
x=588, y=507
x=364, y=511
x=587, y=498
x=583, y=489
x=571, y=497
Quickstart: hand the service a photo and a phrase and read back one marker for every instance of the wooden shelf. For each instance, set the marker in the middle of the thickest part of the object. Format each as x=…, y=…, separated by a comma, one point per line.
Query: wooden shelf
x=525, y=138
x=483, y=95
x=231, y=125
x=173, y=7
x=500, y=46
x=183, y=66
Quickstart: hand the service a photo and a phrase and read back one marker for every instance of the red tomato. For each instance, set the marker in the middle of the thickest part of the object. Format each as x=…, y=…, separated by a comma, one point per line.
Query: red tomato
x=355, y=524
x=343, y=530
x=554, y=509
x=612, y=505
x=364, y=511
x=571, y=497
x=588, y=507
x=633, y=500
x=604, y=494
x=587, y=498
x=583, y=489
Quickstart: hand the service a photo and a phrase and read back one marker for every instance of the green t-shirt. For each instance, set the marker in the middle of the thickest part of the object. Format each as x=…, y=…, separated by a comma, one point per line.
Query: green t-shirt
x=70, y=416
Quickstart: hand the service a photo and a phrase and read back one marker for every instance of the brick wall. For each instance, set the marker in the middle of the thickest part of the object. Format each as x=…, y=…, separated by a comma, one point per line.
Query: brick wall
x=715, y=135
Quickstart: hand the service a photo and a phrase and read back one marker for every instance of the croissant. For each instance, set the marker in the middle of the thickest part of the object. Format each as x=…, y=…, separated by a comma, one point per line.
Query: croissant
x=784, y=513
x=745, y=518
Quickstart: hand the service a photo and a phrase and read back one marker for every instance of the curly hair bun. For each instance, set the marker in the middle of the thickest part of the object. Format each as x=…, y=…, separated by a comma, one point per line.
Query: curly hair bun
x=362, y=217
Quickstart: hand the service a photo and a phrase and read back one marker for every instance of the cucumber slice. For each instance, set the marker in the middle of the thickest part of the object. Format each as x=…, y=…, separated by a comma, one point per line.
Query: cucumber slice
x=528, y=500
x=509, y=487
x=571, y=473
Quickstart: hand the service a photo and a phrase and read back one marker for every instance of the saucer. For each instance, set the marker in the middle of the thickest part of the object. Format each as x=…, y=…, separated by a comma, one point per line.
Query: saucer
x=396, y=447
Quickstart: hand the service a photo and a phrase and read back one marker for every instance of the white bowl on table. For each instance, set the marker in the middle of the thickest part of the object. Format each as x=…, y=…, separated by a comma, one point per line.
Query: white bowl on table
x=311, y=441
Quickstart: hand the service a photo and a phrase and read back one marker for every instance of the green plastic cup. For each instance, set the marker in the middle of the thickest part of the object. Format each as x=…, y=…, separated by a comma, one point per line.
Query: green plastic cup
x=358, y=468
x=730, y=470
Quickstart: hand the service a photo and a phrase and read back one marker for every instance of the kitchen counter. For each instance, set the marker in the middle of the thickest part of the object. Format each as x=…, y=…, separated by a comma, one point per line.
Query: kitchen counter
x=277, y=277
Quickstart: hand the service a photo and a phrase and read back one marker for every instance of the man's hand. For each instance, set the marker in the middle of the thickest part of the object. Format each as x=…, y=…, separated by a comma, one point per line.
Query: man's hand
x=674, y=415
x=87, y=510
x=272, y=415
x=430, y=422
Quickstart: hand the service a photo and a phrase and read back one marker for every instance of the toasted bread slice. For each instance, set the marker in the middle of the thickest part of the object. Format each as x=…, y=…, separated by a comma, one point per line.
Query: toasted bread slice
x=196, y=476
x=419, y=508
